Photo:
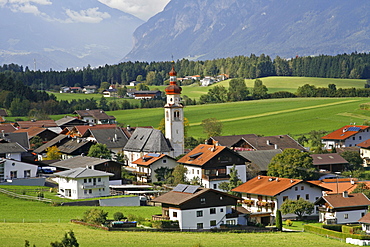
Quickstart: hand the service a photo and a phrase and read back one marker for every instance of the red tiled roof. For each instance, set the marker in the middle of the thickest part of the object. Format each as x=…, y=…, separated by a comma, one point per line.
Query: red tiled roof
x=345, y=132
x=266, y=185
x=364, y=144
x=38, y=123
x=83, y=128
x=33, y=131
x=365, y=219
x=353, y=200
x=336, y=187
x=201, y=154
x=7, y=128
x=148, y=159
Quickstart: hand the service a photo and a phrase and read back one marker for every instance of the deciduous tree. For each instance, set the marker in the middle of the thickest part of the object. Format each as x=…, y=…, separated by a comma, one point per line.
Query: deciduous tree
x=212, y=127
x=99, y=150
x=298, y=207
x=53, y=153
x=292, y=163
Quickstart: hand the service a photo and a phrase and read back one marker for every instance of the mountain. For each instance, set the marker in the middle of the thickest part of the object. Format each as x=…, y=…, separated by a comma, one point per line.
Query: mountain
x=208, y=29
x=64, y=34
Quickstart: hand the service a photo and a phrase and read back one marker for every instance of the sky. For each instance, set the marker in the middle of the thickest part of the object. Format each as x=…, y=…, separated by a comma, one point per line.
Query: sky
x=143, y=9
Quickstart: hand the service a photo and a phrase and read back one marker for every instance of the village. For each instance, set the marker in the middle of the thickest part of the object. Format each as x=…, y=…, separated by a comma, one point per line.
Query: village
x=209, y=199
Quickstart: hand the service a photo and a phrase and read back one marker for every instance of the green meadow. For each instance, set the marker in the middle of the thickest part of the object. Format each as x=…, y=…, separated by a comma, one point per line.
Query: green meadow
x=292, y=116
x=40, y=223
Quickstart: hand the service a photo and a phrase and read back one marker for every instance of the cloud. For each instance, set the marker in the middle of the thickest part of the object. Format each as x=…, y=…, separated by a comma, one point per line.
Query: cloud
x=91, y=15
x=143, y=9
x=25, y=6
x=41, y=2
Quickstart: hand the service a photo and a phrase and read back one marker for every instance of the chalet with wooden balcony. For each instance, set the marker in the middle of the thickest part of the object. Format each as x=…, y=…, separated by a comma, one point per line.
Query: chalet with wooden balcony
x=200, y=208
x=211, y=164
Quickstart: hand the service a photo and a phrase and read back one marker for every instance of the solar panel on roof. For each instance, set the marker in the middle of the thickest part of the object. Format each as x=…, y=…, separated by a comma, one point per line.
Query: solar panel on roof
x=353, y=129
x=195, y=155
x=153, y=155
x=180, y=187
x=191, y=189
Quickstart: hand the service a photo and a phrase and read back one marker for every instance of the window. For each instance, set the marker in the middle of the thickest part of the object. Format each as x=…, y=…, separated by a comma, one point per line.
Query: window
x=360, y=138
x=199, y=225
x=202, y=200
x=212, y=223
x=13, y=174
x=302, y=187
x=221, y=198
x=99, y=179
x=298, y=196
x=89, y=180
x=215, y=186
x=164, y=161
x=174, y=214
x=192, y=171
x=285, y=198
x=307, y=196
x=230, y=222
x=85, y=180
x=200, y=213
x=198, y=172
x=296, y=188
x=27, y=173
x=85, y=192
x=221, y=210
x=90, y=191
x=212, y=210
x=248, y=195
x=346, y=216
x=354, y=138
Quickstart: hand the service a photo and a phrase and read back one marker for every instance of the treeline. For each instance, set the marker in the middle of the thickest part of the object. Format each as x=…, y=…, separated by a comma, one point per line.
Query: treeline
x=354, y=66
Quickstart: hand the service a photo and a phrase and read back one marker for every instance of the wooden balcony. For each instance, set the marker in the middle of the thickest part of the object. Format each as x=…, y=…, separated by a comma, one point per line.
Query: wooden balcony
x=160, y=217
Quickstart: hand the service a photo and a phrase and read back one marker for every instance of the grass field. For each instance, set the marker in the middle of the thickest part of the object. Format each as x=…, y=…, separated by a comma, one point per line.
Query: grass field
x=273, y=83
x=263, y=117
x=14, y=235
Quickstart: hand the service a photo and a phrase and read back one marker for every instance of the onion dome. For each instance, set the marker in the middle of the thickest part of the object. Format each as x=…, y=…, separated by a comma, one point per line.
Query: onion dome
x=173, y=88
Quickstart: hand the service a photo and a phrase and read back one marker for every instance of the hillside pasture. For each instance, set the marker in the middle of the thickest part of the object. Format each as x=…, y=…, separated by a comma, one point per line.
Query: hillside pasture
x=293, y=116
x=15, y=234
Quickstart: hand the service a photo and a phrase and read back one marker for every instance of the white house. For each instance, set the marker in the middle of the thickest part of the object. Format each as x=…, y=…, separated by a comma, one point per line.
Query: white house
x=195, y=207
x=12, y=150
x=263, y=195
x=342, y=208
x=210, y=165
x=146, y=166
x=208, y=80
x=14, y=169
x=347, y=136
x=365, y=223
x=82, y=183
x=96, y=116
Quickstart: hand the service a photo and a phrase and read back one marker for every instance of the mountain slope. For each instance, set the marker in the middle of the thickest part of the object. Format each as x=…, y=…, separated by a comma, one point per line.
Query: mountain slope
x=64, y=34
x=208, y=29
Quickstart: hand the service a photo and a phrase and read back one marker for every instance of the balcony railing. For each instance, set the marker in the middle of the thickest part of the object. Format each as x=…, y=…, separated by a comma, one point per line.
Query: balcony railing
x=160, y=217
x=93, y=186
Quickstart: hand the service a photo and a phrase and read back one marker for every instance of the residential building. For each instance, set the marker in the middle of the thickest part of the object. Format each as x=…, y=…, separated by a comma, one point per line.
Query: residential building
x=365, y=223
x=263, y=195
x=12, y=150
x=105, y=165
x=80, y=183
x=260, y=159
x=89, y=89
x=252, y=142
x=330, y=162
x=210, y=165
x=68, y=121
x=347, y=136
x=147, y=94
x=144, y=141
x=15, y=169
x=365, y=152
x=342, y=208
x=114, y=138
x=97, y=116
x=208, y=80
x=195, y=207
x=146, y=166
x=110, y=92
x=44, y=133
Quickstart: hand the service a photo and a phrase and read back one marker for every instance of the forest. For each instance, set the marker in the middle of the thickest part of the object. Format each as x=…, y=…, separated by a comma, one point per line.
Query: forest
x=352, y=66
x=23, y=90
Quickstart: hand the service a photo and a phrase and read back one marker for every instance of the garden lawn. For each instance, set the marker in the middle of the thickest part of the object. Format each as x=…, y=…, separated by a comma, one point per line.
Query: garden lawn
x=298, y=225
x=15, y=234
x=292, y=116
x=18, y=210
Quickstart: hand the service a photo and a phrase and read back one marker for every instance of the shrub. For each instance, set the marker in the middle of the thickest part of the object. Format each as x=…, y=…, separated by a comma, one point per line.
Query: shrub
x=288, y=222
x=132, y=217
x=279, y=221
x=95, y=216
x=333, y=234
x=118, y=216
x=147, y=223
x=165, y=224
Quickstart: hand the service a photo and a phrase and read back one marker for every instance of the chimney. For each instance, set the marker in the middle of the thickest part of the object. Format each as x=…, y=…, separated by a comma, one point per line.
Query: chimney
x=268, y=142
x=276, y=147
x=345, y=194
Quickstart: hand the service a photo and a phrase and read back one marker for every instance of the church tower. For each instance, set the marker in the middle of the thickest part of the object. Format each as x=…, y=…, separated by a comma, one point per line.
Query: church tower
x=174, y=115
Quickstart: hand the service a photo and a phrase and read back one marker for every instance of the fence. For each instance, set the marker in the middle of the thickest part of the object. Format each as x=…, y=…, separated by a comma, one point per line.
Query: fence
x=34, y=198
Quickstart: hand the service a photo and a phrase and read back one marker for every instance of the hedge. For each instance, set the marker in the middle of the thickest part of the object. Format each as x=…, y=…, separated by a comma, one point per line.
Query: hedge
x=333, y=234
x=351, y=229
x=165, y=224
x=337, y=228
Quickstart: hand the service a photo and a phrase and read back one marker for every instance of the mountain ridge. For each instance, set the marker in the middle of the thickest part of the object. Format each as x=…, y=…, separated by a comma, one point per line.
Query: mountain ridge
x=206, y=29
